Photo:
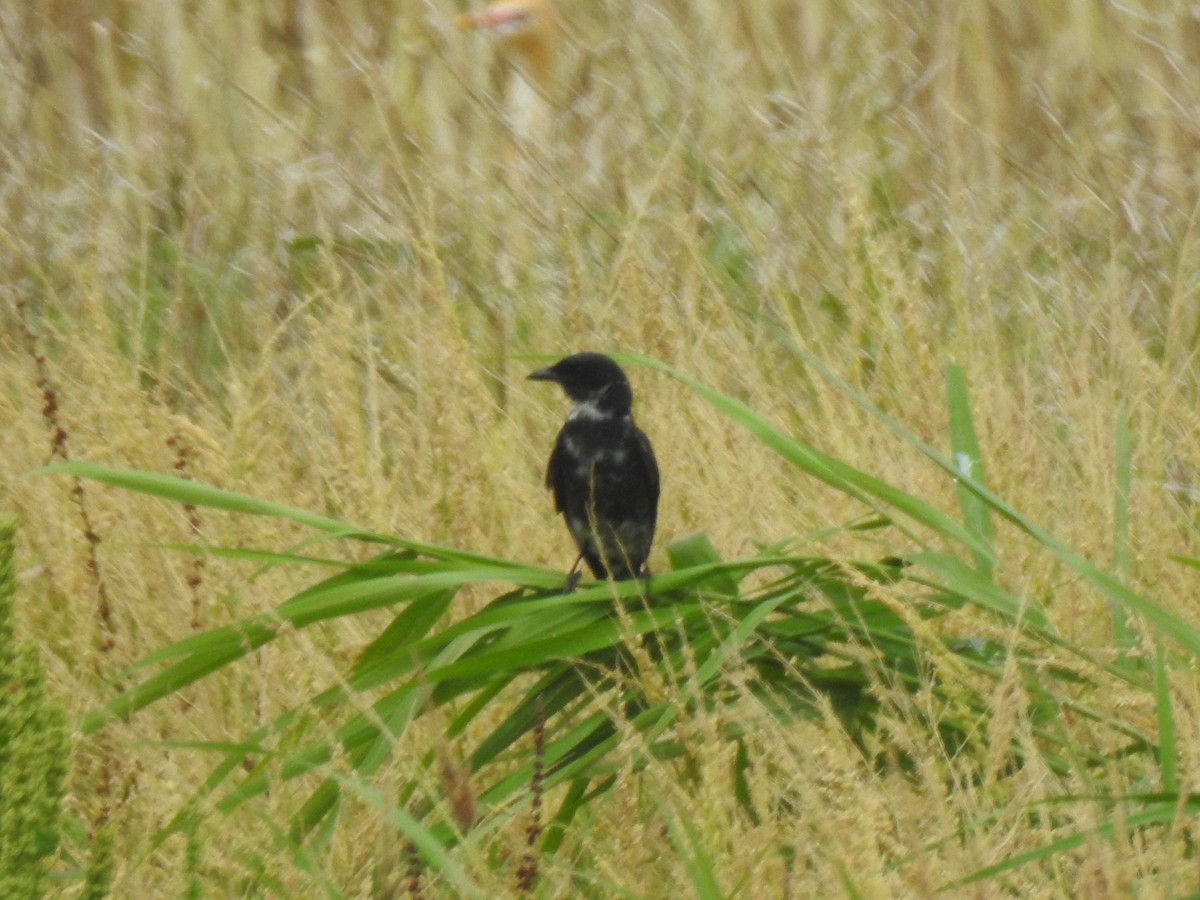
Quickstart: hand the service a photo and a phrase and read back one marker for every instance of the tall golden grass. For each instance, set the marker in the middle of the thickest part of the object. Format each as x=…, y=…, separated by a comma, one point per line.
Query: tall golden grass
x=271, y=246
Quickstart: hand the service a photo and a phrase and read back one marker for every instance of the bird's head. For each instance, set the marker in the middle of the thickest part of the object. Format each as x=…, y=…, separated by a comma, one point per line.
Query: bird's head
x=592, y=379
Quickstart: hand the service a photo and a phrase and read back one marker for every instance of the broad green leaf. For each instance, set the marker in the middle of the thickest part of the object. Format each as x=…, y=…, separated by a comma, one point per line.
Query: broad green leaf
x=696, y=549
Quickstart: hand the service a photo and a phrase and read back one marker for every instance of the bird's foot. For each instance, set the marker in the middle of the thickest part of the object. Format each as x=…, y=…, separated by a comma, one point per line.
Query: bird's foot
x=572, y=581
x=644, y=577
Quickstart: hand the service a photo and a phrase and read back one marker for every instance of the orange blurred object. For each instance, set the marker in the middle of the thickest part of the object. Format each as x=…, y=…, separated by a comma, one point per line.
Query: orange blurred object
x=526, y=28
x=527, y=31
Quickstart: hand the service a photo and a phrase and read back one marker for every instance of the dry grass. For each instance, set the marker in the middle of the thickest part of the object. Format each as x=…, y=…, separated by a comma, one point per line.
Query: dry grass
x=277, y=236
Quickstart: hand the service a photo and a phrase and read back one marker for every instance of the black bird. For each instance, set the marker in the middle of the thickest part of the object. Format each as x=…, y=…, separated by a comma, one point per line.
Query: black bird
x=602, y=469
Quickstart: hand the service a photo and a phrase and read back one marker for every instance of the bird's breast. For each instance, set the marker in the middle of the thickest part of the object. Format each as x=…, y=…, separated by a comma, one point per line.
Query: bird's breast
x=591, y=442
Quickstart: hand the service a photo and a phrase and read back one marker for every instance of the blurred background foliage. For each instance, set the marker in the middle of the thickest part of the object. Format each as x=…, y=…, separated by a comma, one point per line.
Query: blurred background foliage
x=303, y=250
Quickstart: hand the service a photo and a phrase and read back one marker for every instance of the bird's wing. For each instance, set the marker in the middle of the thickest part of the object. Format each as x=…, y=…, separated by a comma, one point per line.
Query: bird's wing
x=555, y=469
x=646, y=452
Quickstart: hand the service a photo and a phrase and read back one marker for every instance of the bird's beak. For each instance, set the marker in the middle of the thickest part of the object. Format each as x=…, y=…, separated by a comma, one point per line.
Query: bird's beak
x=542, y=375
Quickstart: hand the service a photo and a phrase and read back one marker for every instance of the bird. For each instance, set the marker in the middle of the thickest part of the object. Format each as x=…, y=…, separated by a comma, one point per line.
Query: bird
x=602, y=470
x=525, y=34
x=527, y=31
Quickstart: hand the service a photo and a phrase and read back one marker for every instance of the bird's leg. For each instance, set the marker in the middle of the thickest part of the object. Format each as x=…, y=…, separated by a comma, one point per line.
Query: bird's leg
x=644, y=577
x=573, y=576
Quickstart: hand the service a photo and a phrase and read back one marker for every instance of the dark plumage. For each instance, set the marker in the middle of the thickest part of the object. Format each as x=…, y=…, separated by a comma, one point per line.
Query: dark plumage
x=602, y=469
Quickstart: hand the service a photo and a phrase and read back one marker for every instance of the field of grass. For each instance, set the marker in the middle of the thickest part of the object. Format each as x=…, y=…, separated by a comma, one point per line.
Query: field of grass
x=292, y=250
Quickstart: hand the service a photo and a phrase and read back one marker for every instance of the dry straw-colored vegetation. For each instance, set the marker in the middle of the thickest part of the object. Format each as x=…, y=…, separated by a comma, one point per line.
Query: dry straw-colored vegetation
x=290, y=249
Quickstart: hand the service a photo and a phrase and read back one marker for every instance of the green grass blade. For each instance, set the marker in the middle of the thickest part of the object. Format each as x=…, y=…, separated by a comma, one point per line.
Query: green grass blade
x=1164, y=710
x=1180, y=631
x=964, y=447
x=214, y=651
x=1160, y=813
x=697, y=861
x=432, y=850
x=410, y=626
x=300, y=857
x=195, y=493
x=697, y=549
x=848, y=885
x=837, y=474
x=1124, y=636
x=571, y=803
x=981, y=589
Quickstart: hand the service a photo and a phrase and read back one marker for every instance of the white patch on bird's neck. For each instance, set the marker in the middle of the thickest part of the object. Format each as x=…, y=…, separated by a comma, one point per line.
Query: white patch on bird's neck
x=591, y=411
